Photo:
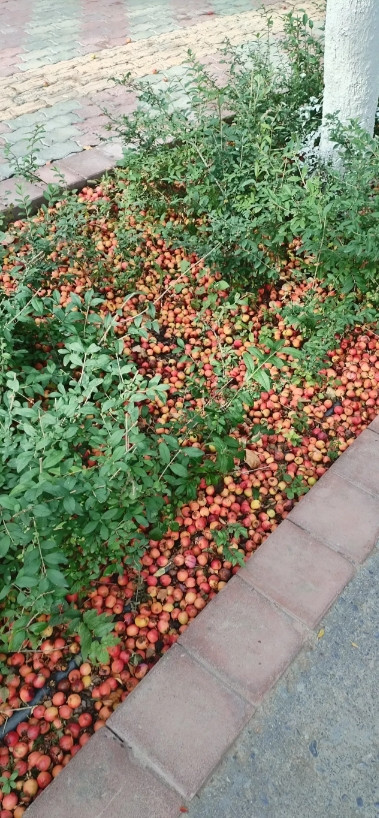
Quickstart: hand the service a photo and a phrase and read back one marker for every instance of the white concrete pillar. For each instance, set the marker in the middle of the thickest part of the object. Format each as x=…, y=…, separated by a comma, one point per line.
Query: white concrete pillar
x=351, y=65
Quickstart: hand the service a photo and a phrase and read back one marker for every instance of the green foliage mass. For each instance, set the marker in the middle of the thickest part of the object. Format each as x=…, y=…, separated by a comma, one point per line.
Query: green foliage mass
x=231, y=162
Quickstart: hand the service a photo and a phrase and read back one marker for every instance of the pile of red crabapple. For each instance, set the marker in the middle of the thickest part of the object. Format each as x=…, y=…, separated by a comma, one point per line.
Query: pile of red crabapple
x=307, y=426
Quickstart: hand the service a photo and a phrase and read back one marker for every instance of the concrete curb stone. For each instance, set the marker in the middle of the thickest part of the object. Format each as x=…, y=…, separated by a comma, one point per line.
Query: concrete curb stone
x=77, y=170
x=11, y=197
x=107, y=780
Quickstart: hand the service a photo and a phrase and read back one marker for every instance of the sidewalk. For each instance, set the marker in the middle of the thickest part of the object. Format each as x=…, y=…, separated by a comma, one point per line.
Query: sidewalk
x=58, y=60
x=311, y=751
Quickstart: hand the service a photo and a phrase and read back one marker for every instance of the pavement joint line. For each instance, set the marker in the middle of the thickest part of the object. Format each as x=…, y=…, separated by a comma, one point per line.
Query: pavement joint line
x=219, y=677
x=145, y=760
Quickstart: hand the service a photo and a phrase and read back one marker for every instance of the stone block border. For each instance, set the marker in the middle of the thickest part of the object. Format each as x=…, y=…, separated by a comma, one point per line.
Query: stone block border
x=166, y=739
x=73, y=171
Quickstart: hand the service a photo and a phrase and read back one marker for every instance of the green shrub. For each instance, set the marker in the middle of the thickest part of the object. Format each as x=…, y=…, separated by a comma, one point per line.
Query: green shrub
x=232, y=179
x=85, y=480
x=239, y=164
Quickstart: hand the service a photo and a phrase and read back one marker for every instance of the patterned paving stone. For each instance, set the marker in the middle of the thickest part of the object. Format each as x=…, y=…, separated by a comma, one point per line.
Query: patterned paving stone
x=26, y=121
x=31, y=63
x=55, y=123
x=54, y=174
x=61, y=108
x=59, y=150
x=89, y=140
x=93, y=124
x=37, y=54
x=6, y=170
x=18, y=135
x=60, y=53
x=113, y=149
x=11, y=193
x=60, y=135
x=91, y=164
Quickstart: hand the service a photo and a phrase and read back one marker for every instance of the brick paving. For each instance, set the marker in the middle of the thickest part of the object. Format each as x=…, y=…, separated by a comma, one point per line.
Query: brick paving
x=355, y=469
x=57, y=60
x=166, y=739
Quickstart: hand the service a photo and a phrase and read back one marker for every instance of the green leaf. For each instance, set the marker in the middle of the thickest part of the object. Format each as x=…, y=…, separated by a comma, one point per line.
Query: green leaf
x=111, y=513
x=262, y=378
x=85, y=640
x=56, y=578
x=249, y=363
x=4, y=591
x=296, y=353
x=233, y=556
x=116, y=437
x=8, y=502
x=164, y=453
x=100, y=654
x=75, y=359
x=69, y=504
x=54, y=558
x=41, y=510
x=158, y=532
x=52, y=458
x=90, y=527
x=171, y=441
x=23, y=460
x=192, y=452
x=5, y=542
x=17, y=638
x=26, y=582
x=181, y=471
